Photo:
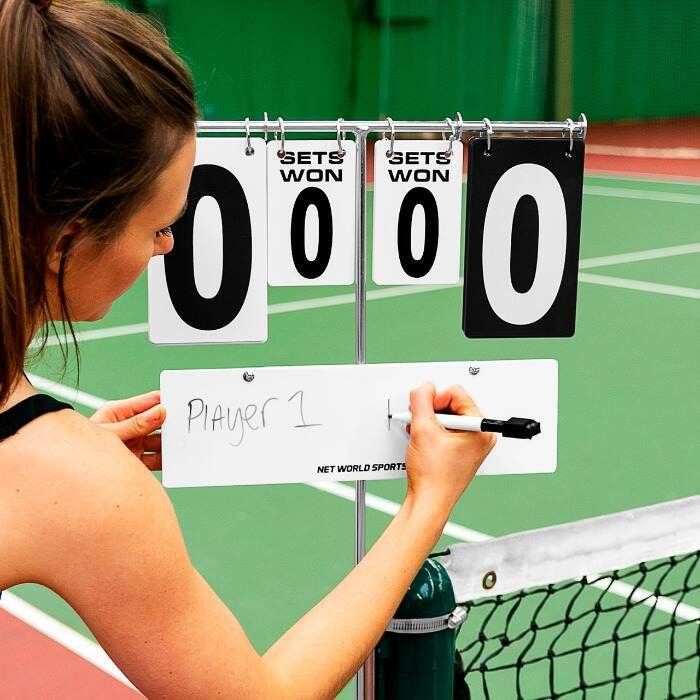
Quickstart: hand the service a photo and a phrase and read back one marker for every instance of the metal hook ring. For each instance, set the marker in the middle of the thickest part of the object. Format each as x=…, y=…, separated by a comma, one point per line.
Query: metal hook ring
x=249, y=150
x=341, y=150
x=451, y=138
x=489, y=131
x=265, y=127
x=460, y=125
x=281, y=152
x=570, y=129
x=390, y=152
x=584, y=125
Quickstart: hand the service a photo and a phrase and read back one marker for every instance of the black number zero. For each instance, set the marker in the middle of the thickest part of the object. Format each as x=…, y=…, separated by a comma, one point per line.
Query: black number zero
x=311, y=269
x=418, y=267
x=220, y=310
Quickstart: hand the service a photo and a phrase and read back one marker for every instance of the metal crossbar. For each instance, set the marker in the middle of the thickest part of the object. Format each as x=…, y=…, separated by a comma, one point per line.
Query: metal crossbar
x=273, y=125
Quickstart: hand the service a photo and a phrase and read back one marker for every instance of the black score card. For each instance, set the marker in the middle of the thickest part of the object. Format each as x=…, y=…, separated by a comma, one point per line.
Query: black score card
x=523, y=231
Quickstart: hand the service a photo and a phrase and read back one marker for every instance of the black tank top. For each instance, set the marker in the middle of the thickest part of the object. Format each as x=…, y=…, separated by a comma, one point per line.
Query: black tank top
x=26, y=411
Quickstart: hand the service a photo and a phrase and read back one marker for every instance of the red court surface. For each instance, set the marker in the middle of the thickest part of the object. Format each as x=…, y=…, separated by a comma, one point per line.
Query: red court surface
x=663, y=148
x=32, y=666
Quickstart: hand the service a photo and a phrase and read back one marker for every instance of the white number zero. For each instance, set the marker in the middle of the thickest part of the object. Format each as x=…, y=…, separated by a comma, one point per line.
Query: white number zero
x=515, y=307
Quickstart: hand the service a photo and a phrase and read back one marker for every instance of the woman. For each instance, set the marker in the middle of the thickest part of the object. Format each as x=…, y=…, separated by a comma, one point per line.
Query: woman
x=96, y=151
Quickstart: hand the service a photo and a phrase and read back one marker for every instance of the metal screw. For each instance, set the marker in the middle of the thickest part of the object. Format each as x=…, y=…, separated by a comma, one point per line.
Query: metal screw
x=474, y=370
x=248, y=376
x=489, y=580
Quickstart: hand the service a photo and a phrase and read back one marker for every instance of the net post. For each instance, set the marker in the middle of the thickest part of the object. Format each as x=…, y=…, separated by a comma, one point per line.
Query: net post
x=415, y=658
x=364, y=681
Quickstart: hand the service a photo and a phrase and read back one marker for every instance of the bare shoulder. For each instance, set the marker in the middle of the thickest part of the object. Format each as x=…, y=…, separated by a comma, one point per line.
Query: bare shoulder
x=70, y=494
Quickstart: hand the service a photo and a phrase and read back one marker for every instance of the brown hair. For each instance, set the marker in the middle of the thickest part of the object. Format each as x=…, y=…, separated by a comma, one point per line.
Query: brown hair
x=93, y=106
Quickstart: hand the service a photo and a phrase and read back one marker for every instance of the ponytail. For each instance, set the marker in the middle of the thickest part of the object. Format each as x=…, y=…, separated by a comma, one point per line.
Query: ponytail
x=16, y=47
x=93, y=105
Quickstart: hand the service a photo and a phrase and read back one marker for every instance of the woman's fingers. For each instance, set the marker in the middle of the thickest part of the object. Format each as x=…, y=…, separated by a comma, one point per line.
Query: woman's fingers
x=122, y=409
x=421, y=406
x=425, y=402
x=140, y=425
x=134, y=421
x=456, y=400
x=140, y=403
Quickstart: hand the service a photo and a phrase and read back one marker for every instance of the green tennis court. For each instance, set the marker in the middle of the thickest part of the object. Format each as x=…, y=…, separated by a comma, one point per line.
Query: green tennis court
x=629, y=393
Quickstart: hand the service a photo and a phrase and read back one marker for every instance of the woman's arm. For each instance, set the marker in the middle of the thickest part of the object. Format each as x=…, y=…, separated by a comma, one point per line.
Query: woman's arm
x=353, y=616
x=110, y=545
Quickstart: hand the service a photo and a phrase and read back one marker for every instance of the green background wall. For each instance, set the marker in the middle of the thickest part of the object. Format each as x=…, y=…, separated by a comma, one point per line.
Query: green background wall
x=421, y=59
x=637, y=58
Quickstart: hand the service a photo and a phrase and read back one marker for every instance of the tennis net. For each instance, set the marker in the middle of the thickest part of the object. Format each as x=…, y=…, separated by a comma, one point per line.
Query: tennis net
x=607, y=607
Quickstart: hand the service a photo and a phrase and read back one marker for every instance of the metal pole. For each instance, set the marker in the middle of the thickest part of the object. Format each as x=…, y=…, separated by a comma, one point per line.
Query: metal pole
x=365, y=675
x=360, y=251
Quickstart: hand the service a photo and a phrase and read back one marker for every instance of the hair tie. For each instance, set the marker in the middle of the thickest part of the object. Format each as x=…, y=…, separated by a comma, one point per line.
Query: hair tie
x=41, y=5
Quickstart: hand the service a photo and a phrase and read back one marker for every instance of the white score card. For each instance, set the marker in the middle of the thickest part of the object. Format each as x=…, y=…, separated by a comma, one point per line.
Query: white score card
x=417, y=212
x=212, y=287
x=311, y=213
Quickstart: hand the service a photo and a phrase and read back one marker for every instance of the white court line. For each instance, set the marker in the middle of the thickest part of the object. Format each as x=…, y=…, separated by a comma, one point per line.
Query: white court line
x=640, y=595
x=652, y=254
x=392, y=292
x=66, y=636
x=97, y=334
x=386, y=293
x=602, y=174
x=640, y=286
x=384, y=505
x=65, y=392
x=272, y=309
x=629, y=193
x=673, y=153
x=76, y=642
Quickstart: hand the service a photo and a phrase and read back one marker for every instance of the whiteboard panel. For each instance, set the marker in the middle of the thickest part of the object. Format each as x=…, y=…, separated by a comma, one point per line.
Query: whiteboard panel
x=329, y=422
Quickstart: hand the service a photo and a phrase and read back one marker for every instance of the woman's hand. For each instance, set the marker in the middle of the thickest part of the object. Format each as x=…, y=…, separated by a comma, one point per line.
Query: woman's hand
x=442, y=462
x=133, y=420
